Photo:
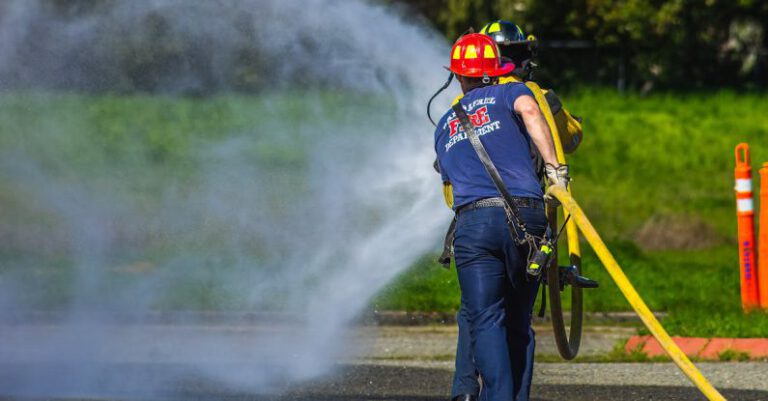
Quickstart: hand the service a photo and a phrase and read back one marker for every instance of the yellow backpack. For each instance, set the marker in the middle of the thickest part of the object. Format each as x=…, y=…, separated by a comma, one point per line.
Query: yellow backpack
x=568, y=126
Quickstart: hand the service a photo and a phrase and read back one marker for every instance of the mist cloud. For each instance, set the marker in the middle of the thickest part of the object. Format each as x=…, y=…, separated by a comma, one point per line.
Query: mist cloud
x=306, y=214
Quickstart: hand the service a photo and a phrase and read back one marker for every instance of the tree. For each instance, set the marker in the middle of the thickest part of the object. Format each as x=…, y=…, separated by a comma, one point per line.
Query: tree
x=667, y=43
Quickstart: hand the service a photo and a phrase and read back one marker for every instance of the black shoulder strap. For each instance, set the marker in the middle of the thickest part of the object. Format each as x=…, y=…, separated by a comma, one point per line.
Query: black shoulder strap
x=490, y=168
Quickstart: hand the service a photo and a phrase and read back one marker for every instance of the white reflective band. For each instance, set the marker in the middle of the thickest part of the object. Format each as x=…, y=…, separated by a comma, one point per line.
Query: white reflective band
x=744, y=205
x=743, y=185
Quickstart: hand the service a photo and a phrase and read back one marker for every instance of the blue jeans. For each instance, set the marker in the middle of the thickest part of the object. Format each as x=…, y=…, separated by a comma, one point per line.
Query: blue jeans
x=495, y=335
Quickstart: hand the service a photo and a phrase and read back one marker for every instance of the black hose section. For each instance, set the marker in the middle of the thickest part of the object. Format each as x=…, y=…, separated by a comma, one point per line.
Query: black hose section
x=567, y=345
x=577, y=310
x=442, y=88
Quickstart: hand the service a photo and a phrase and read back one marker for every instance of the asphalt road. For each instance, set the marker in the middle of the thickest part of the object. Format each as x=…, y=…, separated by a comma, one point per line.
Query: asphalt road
x=358, y=383
x=156, y=362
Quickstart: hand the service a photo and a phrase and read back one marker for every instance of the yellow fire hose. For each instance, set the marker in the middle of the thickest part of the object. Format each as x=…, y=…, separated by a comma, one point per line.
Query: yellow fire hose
x=579, y=221
x=618, y=276
x=571, y=229
x=568, y=343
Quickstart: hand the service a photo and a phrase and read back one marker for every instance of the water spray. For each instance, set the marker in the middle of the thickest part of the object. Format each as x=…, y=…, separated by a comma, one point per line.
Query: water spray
x=290, y=209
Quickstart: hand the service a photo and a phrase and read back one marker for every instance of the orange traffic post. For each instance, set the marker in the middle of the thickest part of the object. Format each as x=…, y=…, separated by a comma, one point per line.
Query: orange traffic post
x=762, y=250
x=745, y=211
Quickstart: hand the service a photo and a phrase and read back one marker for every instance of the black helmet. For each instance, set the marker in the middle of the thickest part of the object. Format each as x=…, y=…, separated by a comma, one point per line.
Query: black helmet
x=512, y=41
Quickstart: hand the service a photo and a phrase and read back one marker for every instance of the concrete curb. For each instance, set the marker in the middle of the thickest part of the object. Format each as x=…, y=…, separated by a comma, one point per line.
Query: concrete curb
x=369, y=318
x=702, y=348
x=403, y=318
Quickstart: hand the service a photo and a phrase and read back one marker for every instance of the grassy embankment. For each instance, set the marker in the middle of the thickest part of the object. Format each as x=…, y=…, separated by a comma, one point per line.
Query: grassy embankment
x=118, y=197
x=654, y=174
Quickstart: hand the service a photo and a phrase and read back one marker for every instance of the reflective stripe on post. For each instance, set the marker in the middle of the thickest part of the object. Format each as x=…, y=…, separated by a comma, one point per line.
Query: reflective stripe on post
x=745, y=213
x=745, y=205
x=762, y=269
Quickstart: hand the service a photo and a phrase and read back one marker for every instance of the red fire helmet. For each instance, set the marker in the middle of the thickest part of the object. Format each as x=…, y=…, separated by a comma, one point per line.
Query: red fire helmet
x=477, y=55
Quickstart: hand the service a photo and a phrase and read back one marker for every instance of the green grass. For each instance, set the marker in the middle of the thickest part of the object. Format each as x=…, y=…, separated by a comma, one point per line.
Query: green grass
x=617, y=354
x=730, y=355
x=661, y=164
x=427, y=286
x=663, y=154
x=699, y=290
x=130, y=155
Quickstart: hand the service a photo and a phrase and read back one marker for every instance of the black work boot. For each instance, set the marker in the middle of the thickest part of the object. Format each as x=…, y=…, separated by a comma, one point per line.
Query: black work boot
x=464, y=397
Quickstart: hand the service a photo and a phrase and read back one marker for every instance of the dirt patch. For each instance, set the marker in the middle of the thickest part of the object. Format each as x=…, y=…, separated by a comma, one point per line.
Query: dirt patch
x=676, y=232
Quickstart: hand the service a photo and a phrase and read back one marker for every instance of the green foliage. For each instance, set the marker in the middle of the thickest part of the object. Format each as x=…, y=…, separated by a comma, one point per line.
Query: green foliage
x=666, y=43
x=646, y=43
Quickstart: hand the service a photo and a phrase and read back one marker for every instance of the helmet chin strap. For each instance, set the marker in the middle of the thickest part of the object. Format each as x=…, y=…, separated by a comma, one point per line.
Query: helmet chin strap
x=486, y=79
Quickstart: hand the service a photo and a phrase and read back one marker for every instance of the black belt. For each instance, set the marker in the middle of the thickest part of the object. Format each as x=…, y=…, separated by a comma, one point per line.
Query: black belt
x=499, y=202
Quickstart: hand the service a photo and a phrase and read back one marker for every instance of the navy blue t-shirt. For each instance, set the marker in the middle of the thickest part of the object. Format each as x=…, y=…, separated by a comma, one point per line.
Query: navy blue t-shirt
x=502, y=132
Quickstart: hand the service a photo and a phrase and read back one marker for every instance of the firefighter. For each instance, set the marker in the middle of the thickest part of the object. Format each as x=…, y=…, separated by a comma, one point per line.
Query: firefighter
x=497, y=293
x=519, y=49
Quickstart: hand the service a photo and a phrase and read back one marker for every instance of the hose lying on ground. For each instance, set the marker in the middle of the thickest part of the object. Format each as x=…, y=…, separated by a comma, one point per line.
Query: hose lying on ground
x=637, y=303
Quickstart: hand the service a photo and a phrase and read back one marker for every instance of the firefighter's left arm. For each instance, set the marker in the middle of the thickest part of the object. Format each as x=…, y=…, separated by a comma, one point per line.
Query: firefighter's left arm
x=537, y=127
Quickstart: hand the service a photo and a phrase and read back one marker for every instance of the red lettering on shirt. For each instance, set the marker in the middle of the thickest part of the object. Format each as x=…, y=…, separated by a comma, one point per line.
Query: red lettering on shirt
x=478, y=119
